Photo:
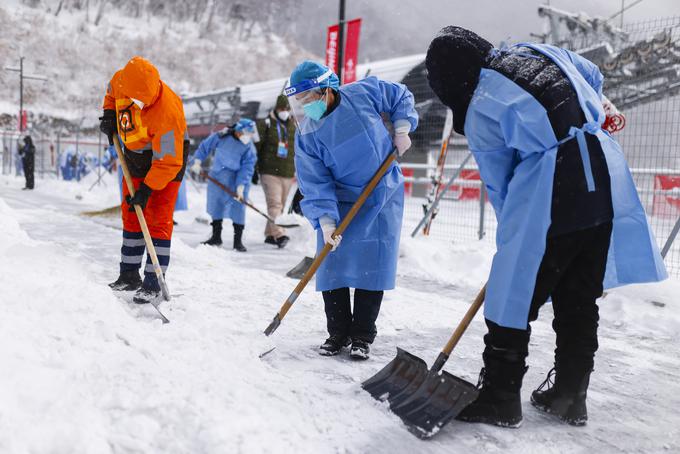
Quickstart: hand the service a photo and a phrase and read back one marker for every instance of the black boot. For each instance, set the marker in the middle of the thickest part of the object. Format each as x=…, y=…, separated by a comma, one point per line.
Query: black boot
x=149, y=291
x=238, y=235
x=565, y=393
x=127, y=281
x=333, y=345
x=499, y=401
x=282, y=241
x=270, y=240
x=360, y=349
x=216, y=238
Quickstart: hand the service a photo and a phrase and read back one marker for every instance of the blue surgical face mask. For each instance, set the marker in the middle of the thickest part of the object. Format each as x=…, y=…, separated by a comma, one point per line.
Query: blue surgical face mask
x=315, y=109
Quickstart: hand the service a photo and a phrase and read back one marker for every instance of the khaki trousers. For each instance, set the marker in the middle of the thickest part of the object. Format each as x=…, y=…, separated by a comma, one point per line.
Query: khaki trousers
x=276, y=191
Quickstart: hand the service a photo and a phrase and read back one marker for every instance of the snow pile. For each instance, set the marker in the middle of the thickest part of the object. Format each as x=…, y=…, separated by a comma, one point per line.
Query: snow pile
x=86, y=372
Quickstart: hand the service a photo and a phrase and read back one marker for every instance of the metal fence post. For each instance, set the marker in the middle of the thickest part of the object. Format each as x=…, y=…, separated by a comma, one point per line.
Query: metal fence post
x=482, y=209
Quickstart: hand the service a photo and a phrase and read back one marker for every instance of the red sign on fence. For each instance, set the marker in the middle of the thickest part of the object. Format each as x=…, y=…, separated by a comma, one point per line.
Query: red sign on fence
x=666, y=195
x=349, y=73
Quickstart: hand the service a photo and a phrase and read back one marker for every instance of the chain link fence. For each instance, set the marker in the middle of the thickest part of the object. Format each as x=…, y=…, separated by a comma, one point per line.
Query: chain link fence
x=642, y=78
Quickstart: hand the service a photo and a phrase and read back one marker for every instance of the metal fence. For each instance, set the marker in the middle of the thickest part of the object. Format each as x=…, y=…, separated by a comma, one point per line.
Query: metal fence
x=56, y=156
x=642, y=77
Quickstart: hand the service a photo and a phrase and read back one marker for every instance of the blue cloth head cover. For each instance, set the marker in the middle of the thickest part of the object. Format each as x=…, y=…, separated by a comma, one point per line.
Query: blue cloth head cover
x=454, y=60
x=310, y=74
x=245, y=124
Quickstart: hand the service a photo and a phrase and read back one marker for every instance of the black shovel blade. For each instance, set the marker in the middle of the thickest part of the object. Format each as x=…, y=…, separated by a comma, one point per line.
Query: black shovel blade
x=301, y=268
x=405, y=371
x=440, y=398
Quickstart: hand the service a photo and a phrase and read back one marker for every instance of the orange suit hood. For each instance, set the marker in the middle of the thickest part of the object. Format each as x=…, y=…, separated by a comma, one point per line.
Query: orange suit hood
x=139, y=79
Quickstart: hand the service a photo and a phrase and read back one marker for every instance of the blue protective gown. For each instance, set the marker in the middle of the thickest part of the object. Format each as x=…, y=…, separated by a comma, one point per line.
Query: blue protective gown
x=233, y=165
x=511, y=137
x=335, y=158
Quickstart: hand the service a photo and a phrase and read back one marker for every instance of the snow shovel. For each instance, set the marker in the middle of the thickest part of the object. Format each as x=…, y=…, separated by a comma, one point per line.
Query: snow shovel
x=300, y=269
x=245, y=202
x=327, y=247
x=425, y=400
x=145, y=231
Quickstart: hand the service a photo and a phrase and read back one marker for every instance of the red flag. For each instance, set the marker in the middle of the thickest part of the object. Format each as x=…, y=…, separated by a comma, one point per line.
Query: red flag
x=349, y=73
x=332, y=47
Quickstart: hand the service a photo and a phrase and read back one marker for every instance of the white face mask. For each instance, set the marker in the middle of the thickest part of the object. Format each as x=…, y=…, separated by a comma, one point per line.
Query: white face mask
x=138, y=103
x=283, y=115
x=245, y=138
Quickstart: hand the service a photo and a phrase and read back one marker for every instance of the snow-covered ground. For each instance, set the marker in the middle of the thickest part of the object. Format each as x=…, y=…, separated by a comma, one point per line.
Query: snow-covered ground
x=85, y=372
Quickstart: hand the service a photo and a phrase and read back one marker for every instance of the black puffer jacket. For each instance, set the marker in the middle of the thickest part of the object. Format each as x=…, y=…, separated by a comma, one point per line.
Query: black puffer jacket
x=454, y=61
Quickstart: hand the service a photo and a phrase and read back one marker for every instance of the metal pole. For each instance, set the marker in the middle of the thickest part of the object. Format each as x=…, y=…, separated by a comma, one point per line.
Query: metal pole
x=435, y=204
x=623, y=8
x=21, y=94
x=99, y=159
x=482, y=209
x=671, y=238
x=341, y=40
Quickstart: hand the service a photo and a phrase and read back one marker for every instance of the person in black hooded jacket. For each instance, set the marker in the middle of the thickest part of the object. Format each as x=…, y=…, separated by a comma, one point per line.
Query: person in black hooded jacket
x=27, y=153
x=575, y=257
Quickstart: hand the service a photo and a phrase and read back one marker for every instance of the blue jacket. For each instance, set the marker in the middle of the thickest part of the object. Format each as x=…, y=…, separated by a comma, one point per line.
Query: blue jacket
x=335, y=158
x=515, y=147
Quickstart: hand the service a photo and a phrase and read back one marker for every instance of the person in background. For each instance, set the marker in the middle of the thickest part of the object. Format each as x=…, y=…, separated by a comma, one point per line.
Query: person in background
x=233, y=165
x=340, y=144
x=276, y=165
x=27, y=153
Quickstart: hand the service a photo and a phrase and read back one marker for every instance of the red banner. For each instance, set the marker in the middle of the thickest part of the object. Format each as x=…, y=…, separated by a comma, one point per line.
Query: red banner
x=23, y=120
x=332, y=47
x=349, y=73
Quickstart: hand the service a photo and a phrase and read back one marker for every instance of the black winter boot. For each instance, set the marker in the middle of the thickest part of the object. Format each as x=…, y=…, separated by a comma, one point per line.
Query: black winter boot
x=360, y=349
x=565, y=394
x=282, y=241
x=238, y=235
x=127, y=281
x=499, y=401
x=149, y=291
x=216, y=238
x=333, y=345
x=270, y=240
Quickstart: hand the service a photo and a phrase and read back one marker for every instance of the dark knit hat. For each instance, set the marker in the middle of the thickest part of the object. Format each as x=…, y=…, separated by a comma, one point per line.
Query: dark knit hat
x=454, y=60
x=282, y=103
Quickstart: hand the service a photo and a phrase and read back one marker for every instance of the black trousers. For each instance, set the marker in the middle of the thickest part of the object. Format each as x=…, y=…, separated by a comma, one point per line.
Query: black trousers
x=28, y=162
x=339, y=318
x=571, y=272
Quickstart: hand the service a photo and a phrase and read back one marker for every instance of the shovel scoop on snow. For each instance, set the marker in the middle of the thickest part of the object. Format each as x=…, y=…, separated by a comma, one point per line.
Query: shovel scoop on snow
x=425, y=400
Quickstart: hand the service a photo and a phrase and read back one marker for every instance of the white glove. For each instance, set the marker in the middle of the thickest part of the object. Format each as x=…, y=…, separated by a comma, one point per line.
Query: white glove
x=401, y=139
x=239, y=191
x=328, y=228
x=196, y=166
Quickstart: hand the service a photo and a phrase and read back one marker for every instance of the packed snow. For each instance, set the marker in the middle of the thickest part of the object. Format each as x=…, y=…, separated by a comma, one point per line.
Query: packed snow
x=84, y=371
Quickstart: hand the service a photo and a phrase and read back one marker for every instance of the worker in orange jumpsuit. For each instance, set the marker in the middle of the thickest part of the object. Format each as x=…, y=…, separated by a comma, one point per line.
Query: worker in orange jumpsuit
x=149, y=120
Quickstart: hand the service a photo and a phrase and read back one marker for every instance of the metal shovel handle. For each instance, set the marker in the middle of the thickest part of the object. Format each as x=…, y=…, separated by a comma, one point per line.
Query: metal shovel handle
x=460, y=329
x=327, y=247
x=243, y=201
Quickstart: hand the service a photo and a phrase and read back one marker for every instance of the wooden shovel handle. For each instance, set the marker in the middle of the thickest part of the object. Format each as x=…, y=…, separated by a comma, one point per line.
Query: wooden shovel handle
x=327, y=247
x=465, y=322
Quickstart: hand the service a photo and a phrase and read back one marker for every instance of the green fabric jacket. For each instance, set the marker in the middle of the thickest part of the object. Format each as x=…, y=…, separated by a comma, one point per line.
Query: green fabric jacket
x=268, y=162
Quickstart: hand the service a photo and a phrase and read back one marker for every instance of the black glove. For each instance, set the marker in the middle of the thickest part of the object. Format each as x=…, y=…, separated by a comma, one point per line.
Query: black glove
x=256, y=178
x=107, y=124
x=141, y=197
